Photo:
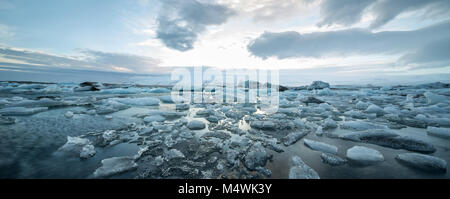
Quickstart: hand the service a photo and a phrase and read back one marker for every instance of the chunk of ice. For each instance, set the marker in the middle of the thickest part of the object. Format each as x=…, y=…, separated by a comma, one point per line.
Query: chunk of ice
x=115, y=165
x=364, y=156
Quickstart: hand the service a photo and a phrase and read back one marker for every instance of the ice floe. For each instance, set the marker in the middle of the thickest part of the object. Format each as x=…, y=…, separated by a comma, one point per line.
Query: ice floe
x=76, y=146
x=196, y=125
x=21, y=111
x=320, y=146
x=364, y=156
x=115, y=165
x=300, y=170
x=439, y=132
x=143, y=101
x=332, y=159
x=423, y=162
x=256, y=157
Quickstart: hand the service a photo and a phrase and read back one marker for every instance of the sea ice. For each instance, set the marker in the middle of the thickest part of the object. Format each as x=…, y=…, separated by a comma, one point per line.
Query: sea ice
x=160, y=90
x=300, y=170
x=361, y=125
x=320, y=146
x=439, y=132
x=423, y=162
x=87, y=151
x=256, y=157
x=196, y=125
x=182, y=107
x=363, y=155
x=293, y=137
x=329, y=124
x=68, y=114
x=144, y=101
x=375, y=109
x=44, y=102
x=387, y=138
x=20, y=111
x=332, y=159
x=166, y=99
x=263, y=125
x=115, y=165
x=362, y=105
x=80, y=147
x=173, y=154
x=318, y=85
x=372, y=134
x=154, y=118
x=433, y=98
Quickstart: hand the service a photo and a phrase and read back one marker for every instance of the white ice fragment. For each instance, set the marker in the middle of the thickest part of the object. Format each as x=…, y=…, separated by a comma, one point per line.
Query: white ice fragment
x=154, y=118
x=166, y=99
x=375, y=109
x=68, y=114
x=143, y=101
x=329, y=124
x=300, y=170
x=87, y=151
x=423, y=162
x=325, y=92
x=196, y=125
x=263, y=125
x=363, y=155
x=439, y=132
x=332, y=159
x=320, y=146
x=172, y=154
x=361, y=125
x=115, y=165
x=159, y=90
x=433, y=98
x=362, y=105
x=76, y=146
x=256, y=157
x=182, y=107
x=20, y=111
x=318, y=85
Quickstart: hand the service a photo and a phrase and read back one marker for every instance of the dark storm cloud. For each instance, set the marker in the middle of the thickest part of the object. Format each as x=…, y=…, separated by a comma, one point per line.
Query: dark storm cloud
x=348, y=12
x=347, y=42
x=181, y=21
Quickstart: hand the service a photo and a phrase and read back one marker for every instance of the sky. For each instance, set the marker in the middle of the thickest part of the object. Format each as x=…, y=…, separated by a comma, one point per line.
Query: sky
x=351, y=37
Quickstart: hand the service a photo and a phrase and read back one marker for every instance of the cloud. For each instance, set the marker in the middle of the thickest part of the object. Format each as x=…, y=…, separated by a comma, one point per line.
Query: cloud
x=87, y=59
x=348, y=12
x=122, y=62
x=269, y=10
x=435, y=54
x=181, y=21
x=345, y=42
x=342, y=12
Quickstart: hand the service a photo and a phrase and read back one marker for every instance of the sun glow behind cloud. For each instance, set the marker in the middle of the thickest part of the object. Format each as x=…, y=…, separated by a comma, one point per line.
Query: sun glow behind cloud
x=145, y=36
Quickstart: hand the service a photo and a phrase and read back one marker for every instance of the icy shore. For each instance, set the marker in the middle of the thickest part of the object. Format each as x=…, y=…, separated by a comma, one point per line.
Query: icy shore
x=135, y=131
